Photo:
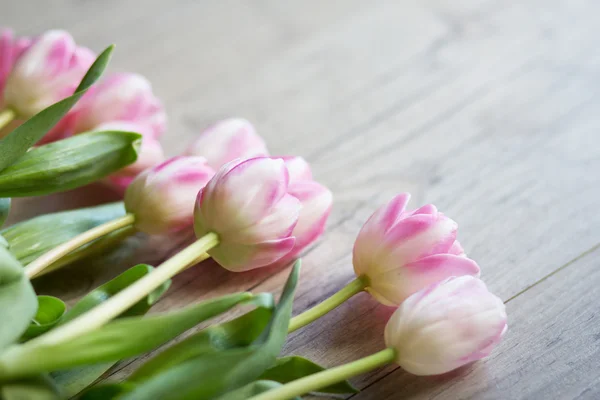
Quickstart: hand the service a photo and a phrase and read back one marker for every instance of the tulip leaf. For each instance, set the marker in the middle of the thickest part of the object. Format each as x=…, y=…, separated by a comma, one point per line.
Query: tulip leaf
x=18, y=142
x=239, y=332
x=75, y=380
x=31, y=388
x=50, y=311
x=30, y=239
x=69, y=163
x=216, y=373
x=123, y=338
x=4, y=209
x=288, y=369
x=251, y=389
x=106, y=391
x=18, y=303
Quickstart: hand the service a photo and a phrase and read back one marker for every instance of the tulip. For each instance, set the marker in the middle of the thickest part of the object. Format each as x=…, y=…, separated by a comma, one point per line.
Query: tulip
x=228, y=140
x=446, y=326
x=150, y=154
x=11, y=49
x=298, y=169
x=48, y=71
x=436, y=330
x=248, y=205
x=123, y=97
x=244, y=218
x=398, y=253
x=162, y=198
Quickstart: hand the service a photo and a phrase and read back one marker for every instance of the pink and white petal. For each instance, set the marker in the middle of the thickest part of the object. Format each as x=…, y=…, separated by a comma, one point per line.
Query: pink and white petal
x=240, y=257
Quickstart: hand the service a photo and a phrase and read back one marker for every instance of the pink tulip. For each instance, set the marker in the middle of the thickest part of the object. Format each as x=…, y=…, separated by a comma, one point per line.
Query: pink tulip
x=298, y=169
x=11, y=49
x=400, y=252
x=228, y=140
x=446, y=326
x=48, y=71
x=248, y=205
x=121, y=97
x=162, y=198
x=150, y=154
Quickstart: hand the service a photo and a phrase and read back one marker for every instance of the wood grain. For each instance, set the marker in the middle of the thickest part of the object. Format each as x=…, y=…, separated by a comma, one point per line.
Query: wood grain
x=487, y=108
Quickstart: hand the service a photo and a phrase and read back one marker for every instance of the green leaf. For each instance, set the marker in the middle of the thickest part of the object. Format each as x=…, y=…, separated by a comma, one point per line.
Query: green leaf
x=4, y=209
x=209, y=375
x=288, y=369
x=30, y=239
x=18, y=302
x=106, y=391
x=31, y=388
x=251, y=389
x=50, y=311
x=125, y=337
x=18, y=142
x=238, y=332
x=75, y=380
x=69, y=163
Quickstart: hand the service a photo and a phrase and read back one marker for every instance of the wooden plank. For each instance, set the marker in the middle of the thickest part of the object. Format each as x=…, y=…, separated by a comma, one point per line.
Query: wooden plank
x=551, y=350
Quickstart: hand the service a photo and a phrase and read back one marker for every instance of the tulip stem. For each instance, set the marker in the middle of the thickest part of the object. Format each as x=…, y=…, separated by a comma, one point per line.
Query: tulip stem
x=126, y=298
x=38, y=265
x=328, y=377
x=6, y=116
x=310, y=315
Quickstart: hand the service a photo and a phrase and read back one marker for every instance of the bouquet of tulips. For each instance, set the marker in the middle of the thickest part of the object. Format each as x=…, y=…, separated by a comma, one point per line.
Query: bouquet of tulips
x=247, y=209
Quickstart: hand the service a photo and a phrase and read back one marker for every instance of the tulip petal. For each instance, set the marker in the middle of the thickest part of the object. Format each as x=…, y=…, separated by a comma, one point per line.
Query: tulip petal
x=241, y=257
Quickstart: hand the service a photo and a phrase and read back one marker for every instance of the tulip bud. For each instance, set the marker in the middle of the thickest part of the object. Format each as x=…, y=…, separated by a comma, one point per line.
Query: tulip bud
x=298, y=169
x=400, y=252
x=248, y=205
x=11, y=49
x=121, y=97
x=48, y=71
x=228, y=140
x=150, y=153
x=162, y=198
x=446, y=326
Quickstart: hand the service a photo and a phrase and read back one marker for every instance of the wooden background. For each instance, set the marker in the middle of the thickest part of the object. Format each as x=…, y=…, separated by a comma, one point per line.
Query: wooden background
x=487, y=108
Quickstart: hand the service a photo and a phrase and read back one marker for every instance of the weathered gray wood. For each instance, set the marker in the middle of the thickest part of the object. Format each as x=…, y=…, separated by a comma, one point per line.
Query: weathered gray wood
x=486, y=108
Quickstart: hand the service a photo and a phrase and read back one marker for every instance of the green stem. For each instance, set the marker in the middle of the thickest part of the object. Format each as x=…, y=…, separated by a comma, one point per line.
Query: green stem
x=328, y=377
x=6, y=116
x=308, y=316
x=35, y=268
x=126, y=298
x=96, y=247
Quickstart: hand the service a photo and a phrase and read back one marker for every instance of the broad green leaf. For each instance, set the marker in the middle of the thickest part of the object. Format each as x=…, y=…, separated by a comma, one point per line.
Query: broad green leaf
x=69, y=163
x=106, y=391
x=75, y=380
x=50, y=311
x=30, y=239
x=251, y=389
x=18, y=302
x=32, y=388
x=125, y=337
x=213, y=374
x=4, y=209
x=238, y=332
x=288, y=369
x=18, y=142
